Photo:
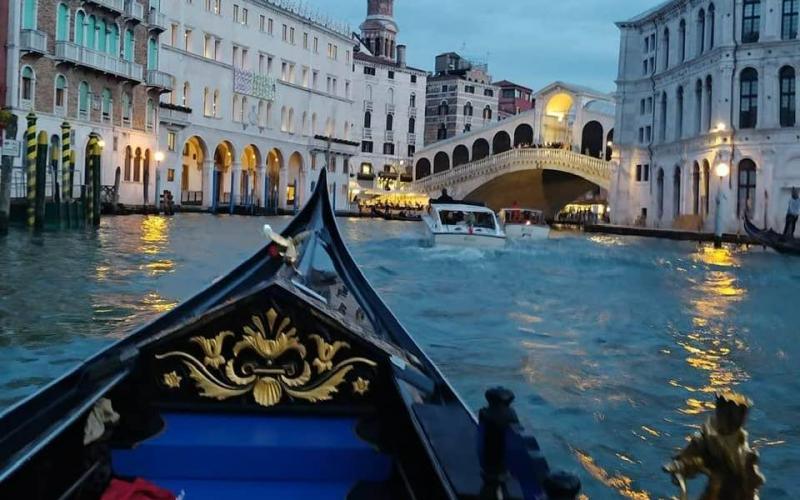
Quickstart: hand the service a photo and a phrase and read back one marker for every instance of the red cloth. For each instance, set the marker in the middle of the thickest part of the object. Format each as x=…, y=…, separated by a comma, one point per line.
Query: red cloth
x=137, y=490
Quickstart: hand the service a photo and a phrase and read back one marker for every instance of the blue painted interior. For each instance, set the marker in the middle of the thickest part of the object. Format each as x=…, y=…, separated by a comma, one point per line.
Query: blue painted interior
x=271, y=457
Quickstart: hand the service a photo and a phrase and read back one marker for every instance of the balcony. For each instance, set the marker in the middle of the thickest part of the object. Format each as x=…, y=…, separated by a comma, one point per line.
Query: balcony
x=388, y=136
x=112, y=5
x=412, y=139
x=368, y=106
x=134, y=10
x=71, y=52
x=160, y=80
x=170, y=114
x=33, y=41
x=366, y=134
x=156, y=21
x=390, y=109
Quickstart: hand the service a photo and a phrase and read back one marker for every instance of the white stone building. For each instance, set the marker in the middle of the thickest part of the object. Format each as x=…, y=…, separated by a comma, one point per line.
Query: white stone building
x=704, y=83
x=263, y=100
x=389, y=103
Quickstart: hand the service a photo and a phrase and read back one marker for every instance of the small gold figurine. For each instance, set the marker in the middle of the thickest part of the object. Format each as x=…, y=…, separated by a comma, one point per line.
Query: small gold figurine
x=722, y=452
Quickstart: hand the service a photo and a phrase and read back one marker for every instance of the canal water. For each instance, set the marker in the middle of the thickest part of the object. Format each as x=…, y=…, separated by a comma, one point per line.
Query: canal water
x=614, y=346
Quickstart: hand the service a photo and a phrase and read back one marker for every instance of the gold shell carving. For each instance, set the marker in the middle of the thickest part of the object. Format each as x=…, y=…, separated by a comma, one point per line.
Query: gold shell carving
x=281, y=368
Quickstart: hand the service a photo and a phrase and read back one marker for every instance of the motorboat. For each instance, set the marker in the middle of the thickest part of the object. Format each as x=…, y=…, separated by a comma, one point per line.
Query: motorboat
x=524, y=224
x=287, y=378
x=463, y=224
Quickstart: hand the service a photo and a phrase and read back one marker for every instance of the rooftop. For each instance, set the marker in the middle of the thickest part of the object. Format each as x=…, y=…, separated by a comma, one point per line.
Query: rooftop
x=507, y=84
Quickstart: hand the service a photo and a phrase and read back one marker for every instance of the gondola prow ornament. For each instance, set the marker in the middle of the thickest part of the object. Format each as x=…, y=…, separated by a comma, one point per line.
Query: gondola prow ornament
x=722, y=452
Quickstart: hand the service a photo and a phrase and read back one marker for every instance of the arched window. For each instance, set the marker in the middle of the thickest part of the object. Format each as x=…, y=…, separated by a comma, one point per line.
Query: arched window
x=698, y=106
x=676, y=193
x=127, y=51
x=706, y=186
x=389, y=121
x=442, y=132
x=412, y=101
x=679, y=114
x=746, y=199
x=152, y=54
x=206, y=101
x=28, y=14
x=748, y=98
x=468, y=109
x=137, y=165
x=27, y=89
x=215, y=109
x=662, y=129
x=290, y=124
x=102, y=41
x=665, y=48
x=751, y=21
x=709, y=100
x=80, y=27
x=682, y=40
x=444, y=109
x=711, y=21
x=83, y=101
x=91, y=34
x=701, y=32
x=412, y=125
x=788, y=99
x=367, y=120
x=113, y=40
x=61, y=94
x=127, y=108
x=487, y=112
x=660, y=193
x=284, y=119
x=62, y=23
x=696, y=188
x=789, y=19
x=106, y=105
x=185, y=99
x=150, y=115
x=127, y=171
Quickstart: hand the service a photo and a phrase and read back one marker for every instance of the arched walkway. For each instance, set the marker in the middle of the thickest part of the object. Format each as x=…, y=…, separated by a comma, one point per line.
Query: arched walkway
x=272, y=186
x=223, y=160
x=441, y=162
x=195, y=153
x=501, y=143
x=294, y=186
x=592, y=139
x=480, y=149
x=460, y=155
x=248, y=184
x=523, y=135
x=422, y=169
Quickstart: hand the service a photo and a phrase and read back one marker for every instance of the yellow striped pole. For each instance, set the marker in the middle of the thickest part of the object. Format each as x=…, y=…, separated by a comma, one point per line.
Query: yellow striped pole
x=89, y=184
x=31, y=169
x=41, y=179
x=66, y=139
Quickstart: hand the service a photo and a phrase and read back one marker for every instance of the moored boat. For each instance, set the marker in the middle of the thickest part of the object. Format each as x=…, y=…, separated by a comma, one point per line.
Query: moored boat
x=463, y=224
x=770, y=238
x=524, y=224
x=287, y=378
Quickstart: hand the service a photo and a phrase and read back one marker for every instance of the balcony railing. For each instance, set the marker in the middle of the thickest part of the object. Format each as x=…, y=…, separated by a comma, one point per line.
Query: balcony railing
x=100, y=61
x=367, y=105
x=366, y=134
x=156, y=20
x=388, y=136
x=174, y=115
x=134, y=10
x=412, y=139
x=33, y=41
x=115, y=5
x=390, y=108
x=160, y=79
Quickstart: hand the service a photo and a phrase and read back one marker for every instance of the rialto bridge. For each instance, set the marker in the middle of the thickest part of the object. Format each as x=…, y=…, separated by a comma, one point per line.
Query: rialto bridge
x=544, y=158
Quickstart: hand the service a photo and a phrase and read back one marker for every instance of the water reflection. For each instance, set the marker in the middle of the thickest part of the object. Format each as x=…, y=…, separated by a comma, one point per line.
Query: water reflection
x=619, y=482
x=155, y=234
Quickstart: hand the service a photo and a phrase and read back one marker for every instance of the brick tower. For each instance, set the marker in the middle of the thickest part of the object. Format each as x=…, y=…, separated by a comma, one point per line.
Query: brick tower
x=379, y=30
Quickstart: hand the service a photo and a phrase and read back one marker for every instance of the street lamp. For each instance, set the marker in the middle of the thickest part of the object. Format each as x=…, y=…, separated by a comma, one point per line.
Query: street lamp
x=722, y=170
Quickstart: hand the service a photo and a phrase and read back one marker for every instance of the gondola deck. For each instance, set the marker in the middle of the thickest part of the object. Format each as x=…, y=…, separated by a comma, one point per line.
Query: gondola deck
x=287, y=378
x=768, y=237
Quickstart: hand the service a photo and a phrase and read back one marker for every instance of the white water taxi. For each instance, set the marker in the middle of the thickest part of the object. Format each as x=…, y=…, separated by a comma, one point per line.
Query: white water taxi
x=524, y=224
x=462, y=224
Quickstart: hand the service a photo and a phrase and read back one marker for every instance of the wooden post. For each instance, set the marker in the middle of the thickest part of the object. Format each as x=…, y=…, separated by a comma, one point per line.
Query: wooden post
x=73, y=205
x=31, y=169
x=66, y=187
x=494, y=421
x=97, y=166
x=41, y=179
x=88, y=188
x=8, y=129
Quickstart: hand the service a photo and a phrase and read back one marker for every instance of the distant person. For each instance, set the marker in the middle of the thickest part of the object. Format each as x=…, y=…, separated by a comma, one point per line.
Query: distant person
x=445, y=198
x=791, y=214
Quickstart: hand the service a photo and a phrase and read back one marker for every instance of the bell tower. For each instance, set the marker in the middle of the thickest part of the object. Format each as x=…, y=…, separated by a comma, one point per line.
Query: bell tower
x=379, y=30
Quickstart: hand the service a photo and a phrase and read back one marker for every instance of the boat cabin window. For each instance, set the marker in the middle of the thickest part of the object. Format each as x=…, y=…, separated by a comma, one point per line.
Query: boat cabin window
x=480, y=220
x=523, y=217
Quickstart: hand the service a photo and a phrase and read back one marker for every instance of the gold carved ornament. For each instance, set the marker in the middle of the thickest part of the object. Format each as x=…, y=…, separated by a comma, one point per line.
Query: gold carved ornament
x=256, y=367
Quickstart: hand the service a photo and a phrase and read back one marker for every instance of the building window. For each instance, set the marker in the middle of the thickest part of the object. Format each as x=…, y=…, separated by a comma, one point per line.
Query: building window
x=388, y=148
x=61, y=93
x=711, y=21
x=389, y=122
x=262, y=24
x=751, y=21
x=83, y=101
x=270, y=26
x=469, y=89
x=171, y=141
x=106, y=105
x=701, y=32
x=62, y=22
x=444, y=109
x=127, y=164
x=638, y=173
x=488, y=92
x=788, y=100
x=391, y=75
x=678, y=114
x=468, y=109
x=682, y=39
x=442, y=132
x=748, y=98
x=28, y=85
x=411, y=150
x=665, y=45
x=366, y=146
x=150, y=115
x=369, y=70
x=367, y=120
x=747, y=188
x=412, y=125
x=413, y=78
x=487, y=113
x=790, y=18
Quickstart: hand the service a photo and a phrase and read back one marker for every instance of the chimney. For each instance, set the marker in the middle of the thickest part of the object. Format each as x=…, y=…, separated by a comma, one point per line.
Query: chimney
x=401, y=56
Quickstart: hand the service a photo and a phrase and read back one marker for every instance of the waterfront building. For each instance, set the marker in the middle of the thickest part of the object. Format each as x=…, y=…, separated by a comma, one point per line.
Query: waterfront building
x=514, y=99
x=702, y=85
x=389, y=102
x=94, y=65
x=460, y=97
x=263, y=100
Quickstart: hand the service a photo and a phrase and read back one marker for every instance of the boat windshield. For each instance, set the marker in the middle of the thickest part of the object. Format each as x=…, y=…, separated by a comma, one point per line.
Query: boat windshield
x=520, y=216
x=481, y=220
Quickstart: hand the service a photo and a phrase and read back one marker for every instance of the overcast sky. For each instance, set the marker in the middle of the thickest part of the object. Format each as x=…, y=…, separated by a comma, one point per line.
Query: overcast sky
x=531, y=42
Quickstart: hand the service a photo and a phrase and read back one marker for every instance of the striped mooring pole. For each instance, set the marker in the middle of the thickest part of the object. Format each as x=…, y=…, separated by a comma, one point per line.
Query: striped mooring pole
x=41, y=178
x=88, y=188
x=96, y=170
x=66, y=181
x=31, y=169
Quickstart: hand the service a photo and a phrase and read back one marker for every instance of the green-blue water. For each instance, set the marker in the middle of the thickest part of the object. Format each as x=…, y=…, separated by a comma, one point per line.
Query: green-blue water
x=613, y=346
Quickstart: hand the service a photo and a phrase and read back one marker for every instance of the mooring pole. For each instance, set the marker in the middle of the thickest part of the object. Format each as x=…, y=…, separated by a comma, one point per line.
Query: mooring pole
x=41, y=179
x=88, y=188
x=55, y=154
x=66, y=187
x=31, y=169
x=8, y=124
x=97, y=165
